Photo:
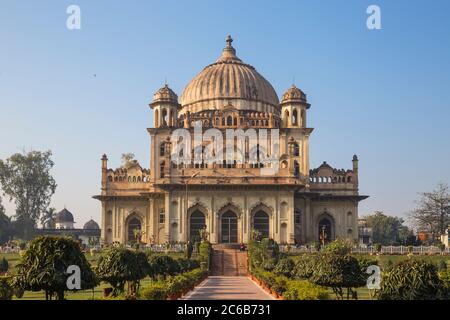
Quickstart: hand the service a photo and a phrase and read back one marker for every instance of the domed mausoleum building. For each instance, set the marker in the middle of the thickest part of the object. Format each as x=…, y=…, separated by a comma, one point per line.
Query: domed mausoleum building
x=230, y=157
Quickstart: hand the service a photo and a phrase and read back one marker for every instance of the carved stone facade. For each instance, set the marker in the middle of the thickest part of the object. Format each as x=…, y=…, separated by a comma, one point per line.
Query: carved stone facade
x=172, y=202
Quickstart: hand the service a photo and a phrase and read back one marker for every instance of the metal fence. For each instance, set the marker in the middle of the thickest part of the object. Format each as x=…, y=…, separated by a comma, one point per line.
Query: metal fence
x=9, y=250
x=419, y=250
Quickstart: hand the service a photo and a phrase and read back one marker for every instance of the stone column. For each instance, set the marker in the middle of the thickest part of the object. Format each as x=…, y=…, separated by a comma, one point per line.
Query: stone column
x=309, y=232
x=103, y=223
x=290, y=227
x=167, y=216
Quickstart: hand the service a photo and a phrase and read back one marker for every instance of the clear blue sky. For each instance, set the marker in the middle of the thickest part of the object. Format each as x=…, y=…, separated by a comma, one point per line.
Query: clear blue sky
x=381, y=94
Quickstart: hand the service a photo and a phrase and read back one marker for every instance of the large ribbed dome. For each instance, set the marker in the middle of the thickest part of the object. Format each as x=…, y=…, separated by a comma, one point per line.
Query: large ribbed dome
x=227, y=82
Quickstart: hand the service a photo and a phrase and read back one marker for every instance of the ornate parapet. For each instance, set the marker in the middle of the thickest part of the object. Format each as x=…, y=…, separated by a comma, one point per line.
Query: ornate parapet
x=327, y=176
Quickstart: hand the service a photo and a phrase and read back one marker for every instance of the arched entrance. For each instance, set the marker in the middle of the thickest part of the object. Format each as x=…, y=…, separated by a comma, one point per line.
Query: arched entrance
x=197, y=222
x=134, y=227
x=325, y=230
x=229, y=229
x=261, y=223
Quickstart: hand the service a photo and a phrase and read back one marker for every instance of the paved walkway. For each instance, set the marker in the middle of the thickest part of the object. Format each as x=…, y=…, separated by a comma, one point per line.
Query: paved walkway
x=228, y=288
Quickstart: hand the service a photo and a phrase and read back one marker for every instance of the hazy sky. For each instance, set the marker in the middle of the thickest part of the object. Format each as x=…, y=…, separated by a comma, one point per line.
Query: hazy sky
x=381, y=94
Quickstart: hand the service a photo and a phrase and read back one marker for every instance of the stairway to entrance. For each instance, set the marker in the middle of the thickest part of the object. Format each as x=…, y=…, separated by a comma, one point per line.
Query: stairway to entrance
x=227, y=260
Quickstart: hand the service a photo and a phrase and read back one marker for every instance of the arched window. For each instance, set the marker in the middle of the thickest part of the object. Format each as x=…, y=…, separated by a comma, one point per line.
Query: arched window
x=261, y=223
x=134, y=227
x=229, y=121
x=164, y=117
x=325, y=230
x=296, y=150
x=197, y=222
x=294, y=117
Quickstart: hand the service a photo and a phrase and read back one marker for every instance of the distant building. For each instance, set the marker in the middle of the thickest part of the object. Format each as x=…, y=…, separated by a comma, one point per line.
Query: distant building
x=365, y=233
x=64, y=220
x=63, y=225
x=444, y=237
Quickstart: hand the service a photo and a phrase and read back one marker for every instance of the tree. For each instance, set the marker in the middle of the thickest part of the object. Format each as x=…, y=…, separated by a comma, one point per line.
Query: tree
x=128, y=160
x=433, y=211
x=338, y=271
x=26, y=179
x=44, y=266
x=6, y=230
x=117, y=265
x=47, y=218
x=387, y=230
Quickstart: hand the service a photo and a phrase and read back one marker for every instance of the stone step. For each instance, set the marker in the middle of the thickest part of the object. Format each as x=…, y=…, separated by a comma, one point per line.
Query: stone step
x=229, y=262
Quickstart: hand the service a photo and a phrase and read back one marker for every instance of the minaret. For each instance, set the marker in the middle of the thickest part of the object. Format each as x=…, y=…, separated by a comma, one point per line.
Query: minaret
x=355, y=168
x=104, y=171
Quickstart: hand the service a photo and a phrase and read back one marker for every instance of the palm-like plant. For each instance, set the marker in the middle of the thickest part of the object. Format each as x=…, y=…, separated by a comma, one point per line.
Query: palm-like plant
x=48, y=217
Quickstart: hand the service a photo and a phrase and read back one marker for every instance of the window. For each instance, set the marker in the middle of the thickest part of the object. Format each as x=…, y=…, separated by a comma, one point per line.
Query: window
x=229, y=121
x=162, y=217
x=162, y=150
x=296, y=150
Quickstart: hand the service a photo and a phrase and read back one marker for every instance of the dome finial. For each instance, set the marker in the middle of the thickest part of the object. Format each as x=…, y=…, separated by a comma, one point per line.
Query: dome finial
x=229, y=41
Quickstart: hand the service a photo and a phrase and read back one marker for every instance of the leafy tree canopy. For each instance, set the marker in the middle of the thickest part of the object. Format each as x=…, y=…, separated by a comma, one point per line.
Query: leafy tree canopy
x=26, y=179
x=45, y=262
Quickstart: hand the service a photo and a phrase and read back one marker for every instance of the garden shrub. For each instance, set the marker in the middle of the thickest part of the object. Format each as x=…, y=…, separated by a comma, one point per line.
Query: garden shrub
x=117, y=265
x=338, y=271
x=304, y=266
x=304, y=290
x=412, y=280
x=156, y=291
x=162, y=266
x=338, y=246
x=284, y=267
x=205, y=253
x=161, y=290
x=442, y=265
x=6, y=289
x=4, y=265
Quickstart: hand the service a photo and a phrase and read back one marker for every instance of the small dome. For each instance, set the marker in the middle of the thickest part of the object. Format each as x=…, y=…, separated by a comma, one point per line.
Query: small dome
x=91, y=224
x=294, y=94
x=64, y=216
x=165, y=94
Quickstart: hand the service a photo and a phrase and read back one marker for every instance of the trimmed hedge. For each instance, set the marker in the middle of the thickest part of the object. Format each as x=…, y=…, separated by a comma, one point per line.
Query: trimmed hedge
x=290, y=289
x=304, y=290
x=161, y=290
